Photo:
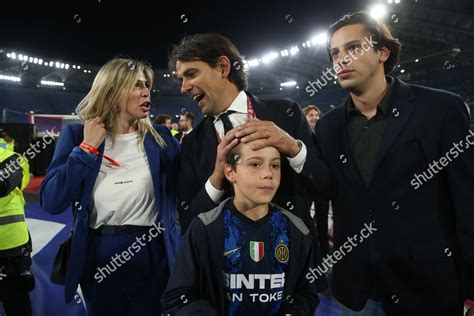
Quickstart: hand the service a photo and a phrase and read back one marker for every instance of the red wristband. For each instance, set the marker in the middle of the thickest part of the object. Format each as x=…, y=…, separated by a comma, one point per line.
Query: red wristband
x=94, y=151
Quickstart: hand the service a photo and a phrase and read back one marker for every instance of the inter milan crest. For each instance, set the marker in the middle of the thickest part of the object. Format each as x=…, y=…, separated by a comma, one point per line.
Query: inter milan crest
x=256, y=250
x=282, y=253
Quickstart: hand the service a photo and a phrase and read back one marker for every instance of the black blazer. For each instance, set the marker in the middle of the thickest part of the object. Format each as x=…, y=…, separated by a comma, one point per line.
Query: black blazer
x=424, y=244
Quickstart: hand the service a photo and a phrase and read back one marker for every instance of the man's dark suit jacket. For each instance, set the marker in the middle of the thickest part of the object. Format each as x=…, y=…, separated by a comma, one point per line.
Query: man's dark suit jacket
x=198, y=156
x=423, y=249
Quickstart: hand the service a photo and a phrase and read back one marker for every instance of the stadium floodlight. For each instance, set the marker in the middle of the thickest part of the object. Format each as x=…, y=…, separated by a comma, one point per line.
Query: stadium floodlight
x=52, y=83
x=417, y=60
x=320, y=39
x=294, y=50
x=253, y=62
x=57, y=64
x=9, y=55
x=402, y=71
x=78, y=67
x=10, y=78
x=66, y=66
x=284, y=53
x=13, y=55
x=30, y=60
x=35, y=60
x=269, y=57
x=378, y=11
x=40, y=61
x=397, y=1
x=288, y=84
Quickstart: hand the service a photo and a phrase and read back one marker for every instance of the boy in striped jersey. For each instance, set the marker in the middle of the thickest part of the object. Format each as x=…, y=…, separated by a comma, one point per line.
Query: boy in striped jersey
x=247, y=256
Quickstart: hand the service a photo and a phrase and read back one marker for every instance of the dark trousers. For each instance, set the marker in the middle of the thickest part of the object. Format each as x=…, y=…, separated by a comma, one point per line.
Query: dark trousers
x=126, y=274
x=15, y=286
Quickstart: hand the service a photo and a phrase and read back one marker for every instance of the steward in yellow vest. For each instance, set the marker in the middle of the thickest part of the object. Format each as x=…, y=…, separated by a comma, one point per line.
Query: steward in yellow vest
x=15, y=245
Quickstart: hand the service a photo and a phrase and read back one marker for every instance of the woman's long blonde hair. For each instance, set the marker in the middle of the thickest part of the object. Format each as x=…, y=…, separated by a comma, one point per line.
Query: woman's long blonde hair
x=113, y=83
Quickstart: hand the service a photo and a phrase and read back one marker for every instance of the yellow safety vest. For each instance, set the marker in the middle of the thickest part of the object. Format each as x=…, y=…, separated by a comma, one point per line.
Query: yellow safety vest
x=9, y=146
x=13, y=230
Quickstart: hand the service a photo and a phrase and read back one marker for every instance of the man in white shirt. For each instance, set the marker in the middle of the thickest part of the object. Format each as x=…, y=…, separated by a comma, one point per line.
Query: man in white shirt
x=211, y=72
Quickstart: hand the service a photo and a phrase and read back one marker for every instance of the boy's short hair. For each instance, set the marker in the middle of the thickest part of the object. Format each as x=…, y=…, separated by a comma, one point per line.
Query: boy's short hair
x=234, y=156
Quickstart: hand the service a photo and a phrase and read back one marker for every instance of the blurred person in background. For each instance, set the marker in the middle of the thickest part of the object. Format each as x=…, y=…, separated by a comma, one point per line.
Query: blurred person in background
x=186, y=122
x=312, y=113
x=6, y=141
x=163, y=119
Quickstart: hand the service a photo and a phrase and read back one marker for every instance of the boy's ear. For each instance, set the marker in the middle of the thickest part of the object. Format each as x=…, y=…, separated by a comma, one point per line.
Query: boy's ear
x=229, y=173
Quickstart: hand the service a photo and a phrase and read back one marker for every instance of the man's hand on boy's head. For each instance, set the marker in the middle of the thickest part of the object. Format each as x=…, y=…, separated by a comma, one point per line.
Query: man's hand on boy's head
x=228, y=142
x=267, y=133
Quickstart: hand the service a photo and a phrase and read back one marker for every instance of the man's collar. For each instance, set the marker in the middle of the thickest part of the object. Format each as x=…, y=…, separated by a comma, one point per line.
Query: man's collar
x=384, y=104
x=239, y=105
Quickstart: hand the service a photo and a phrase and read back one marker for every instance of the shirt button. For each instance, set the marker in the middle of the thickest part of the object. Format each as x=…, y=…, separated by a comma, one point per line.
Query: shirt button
x=370, y=211
x=365, y=127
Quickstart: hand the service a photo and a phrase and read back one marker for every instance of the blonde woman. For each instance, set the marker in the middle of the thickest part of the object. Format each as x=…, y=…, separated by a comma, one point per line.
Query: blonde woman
x=117, y=171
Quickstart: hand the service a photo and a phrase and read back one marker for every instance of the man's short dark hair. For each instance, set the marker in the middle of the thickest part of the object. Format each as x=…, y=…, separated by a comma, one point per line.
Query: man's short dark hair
x=189, y=116
x=208, y=47
x=162, y=118
x=381, y=35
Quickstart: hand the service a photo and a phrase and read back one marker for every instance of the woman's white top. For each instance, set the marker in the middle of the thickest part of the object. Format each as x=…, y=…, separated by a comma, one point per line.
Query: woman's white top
x=123, y=195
